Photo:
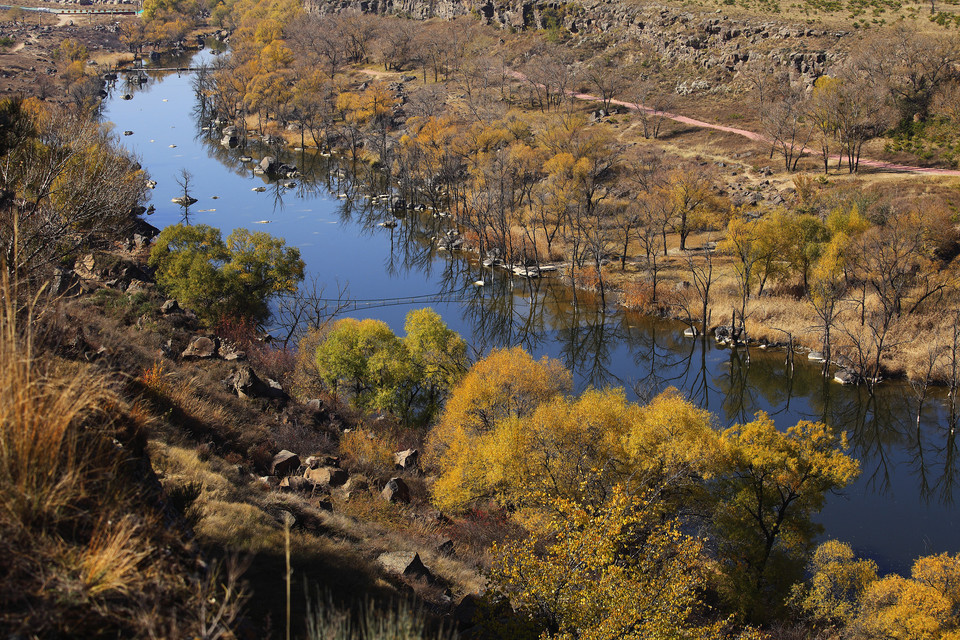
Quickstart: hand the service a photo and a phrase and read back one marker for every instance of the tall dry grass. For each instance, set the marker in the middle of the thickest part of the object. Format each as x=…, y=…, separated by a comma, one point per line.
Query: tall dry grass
x=50, y=452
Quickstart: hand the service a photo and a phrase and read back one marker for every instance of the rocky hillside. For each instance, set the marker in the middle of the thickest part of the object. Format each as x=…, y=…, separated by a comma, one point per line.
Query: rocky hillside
x=712, y=44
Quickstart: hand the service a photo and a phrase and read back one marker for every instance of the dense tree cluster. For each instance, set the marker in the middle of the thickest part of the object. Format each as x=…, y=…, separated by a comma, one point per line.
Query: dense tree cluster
x=235, y=279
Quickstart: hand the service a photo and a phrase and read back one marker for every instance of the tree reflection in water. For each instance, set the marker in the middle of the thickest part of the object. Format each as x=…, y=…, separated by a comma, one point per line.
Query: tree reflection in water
x=900, y=458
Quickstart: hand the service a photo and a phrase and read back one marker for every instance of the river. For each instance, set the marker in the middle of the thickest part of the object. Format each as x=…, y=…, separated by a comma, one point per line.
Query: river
x=901, y=507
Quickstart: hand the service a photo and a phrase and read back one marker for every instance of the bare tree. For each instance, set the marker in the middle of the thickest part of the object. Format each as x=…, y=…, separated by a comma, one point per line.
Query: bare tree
x=652, y=106
x=606, y=76
x=701, y=276
x=911, y=65
x=68, y=189
x=785, y=123
x=307, y=309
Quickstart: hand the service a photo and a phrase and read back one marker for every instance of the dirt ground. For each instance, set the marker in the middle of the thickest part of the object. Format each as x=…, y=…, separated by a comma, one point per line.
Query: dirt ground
x=30, y=66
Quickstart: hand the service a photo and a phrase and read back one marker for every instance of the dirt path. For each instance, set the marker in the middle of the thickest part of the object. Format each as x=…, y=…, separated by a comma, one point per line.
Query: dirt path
x=753, y=135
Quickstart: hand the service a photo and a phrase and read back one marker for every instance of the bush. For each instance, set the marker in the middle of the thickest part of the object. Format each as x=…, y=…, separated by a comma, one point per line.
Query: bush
x=236, y=278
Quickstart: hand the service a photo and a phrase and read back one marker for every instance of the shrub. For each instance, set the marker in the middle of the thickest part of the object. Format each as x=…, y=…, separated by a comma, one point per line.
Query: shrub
x=216, y=278
x=366, y=450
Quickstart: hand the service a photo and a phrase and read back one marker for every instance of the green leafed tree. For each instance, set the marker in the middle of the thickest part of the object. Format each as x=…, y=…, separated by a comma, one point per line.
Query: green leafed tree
x=235, y=278
x=409, y=377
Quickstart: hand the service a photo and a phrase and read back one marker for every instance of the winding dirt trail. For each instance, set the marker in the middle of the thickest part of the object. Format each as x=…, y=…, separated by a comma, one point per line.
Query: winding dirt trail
x=757, y=137
x=753, y=135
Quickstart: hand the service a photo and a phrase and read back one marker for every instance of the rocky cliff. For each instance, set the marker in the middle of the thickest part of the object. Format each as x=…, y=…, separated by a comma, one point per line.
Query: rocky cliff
x=710, y=41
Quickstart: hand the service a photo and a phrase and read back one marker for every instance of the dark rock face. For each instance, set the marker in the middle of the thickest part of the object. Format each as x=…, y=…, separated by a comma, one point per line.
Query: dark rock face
x=396, y=490
x=284, y=463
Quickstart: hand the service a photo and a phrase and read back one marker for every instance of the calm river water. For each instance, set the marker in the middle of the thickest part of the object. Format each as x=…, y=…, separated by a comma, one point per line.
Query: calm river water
x=901, y=507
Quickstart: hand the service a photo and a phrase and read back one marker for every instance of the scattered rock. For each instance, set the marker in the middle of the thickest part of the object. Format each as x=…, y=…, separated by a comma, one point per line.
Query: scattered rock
x=230, y=353
x=446, y=547
x=201, y=347
x=466, y=611
x=356, y=483
x=405, y=563
x=396, y=490
x=246, y=384
x=846, y=376
x=407, y=460
x=284, y=463
x=328, y=476
x=315, y=462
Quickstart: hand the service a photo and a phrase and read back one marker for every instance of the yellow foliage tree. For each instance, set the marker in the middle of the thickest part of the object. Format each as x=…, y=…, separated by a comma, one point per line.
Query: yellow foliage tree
x=508, y=383
x=770, y=484
x=577, y=448
x=837, y=583
x=613, y=571
x=925, y=606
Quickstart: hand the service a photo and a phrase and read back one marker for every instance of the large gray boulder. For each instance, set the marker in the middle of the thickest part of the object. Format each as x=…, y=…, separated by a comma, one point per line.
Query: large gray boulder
x=247, y=384
x=268, y=164
x=407, y=460
x=328, y=476
x=201, y=347
x=284, y=463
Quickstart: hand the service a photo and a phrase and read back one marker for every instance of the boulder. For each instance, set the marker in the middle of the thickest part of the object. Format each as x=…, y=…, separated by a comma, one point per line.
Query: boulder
x=445, y=547
x=815, y=356
x=466, y=611
x=407, y=460
x=298, y=484
x=723, y=334
x=846, y=376
x=328, y=476
x=396, y=490
x=247, y=384
x=284, y=463
x=315, y=462
x=170, y=306
x=356, y=483
x=184, y=201
x=201, y=347
x=405, y=563
x=230, y=353
x=268, y=164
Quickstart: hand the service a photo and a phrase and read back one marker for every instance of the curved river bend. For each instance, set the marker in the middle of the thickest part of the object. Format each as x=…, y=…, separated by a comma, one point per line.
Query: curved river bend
x=901, y=507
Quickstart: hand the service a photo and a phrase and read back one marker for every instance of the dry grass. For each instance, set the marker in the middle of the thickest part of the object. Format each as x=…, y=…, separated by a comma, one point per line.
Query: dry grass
x=54, y=419
x=111, y=561
x=80, y=531
x=366, y=450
